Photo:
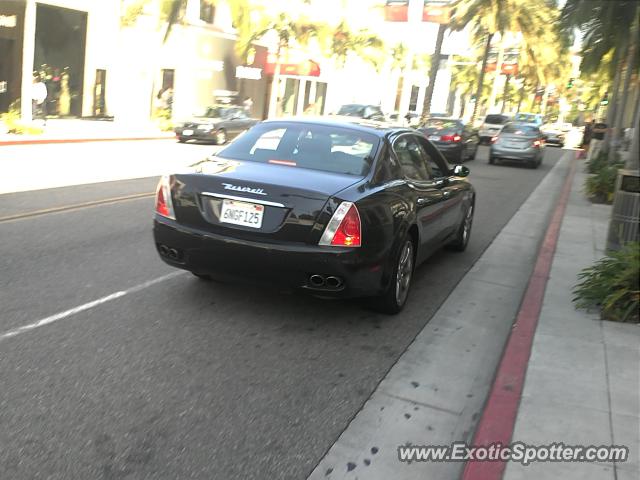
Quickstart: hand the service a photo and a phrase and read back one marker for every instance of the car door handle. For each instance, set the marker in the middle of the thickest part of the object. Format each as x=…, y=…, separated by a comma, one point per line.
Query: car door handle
x=422, y=201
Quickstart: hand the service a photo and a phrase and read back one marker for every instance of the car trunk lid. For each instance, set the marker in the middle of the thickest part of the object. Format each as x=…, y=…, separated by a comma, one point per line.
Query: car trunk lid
x=256, y=201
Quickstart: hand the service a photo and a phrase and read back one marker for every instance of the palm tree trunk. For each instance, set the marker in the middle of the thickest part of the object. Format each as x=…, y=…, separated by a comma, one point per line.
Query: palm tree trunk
x=433, y=73
x=505, y=93
x=485, y=56
x=613, y=100
x=273, y=98
x=545, y=100
x=633, y=160
x=496, y=80
x=520, y=100
x=535, y=92
x=631, y=66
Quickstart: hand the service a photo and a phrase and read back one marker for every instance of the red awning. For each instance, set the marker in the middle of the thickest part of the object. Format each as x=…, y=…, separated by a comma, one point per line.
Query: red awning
x=305, y=68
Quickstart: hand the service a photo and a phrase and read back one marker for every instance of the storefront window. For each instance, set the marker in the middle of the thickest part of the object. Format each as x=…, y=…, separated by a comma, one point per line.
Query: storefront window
x=207, y=11
x=290, y=97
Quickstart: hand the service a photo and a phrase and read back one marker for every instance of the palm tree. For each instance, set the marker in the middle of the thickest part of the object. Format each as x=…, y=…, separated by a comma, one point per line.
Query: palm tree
x=435, y=65
x=496, y=17
x=605, y=27
x=463, y=78
x=362, y=43
x=287, y=32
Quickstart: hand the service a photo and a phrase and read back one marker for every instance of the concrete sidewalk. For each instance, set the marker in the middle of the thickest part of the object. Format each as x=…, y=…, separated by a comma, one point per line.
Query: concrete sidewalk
x=435, y=393
x=582, y=385
x=78, y=130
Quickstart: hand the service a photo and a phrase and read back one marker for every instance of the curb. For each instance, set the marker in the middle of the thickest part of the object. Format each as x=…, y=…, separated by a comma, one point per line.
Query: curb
x=42, y=141
x=501, y=408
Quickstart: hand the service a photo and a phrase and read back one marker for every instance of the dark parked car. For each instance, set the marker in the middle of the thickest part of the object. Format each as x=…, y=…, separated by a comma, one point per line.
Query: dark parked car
x=218, y=124
x=333, y=208
x=518, y=142
x=368, y=112
x=456, y=140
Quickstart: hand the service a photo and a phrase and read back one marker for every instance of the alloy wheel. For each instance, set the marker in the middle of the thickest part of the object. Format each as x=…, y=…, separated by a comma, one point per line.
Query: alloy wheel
x=404, y=272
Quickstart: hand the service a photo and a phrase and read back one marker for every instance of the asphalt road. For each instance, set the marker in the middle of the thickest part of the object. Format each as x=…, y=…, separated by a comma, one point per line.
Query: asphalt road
x=186, y=379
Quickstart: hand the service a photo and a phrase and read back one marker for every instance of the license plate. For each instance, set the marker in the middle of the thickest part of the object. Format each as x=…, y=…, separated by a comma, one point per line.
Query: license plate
x=434, y=138
x=187, y=132
x=241, y=213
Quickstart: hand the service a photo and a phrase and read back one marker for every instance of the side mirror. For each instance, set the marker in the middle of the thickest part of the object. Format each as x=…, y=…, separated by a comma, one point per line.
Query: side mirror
x=460, y=171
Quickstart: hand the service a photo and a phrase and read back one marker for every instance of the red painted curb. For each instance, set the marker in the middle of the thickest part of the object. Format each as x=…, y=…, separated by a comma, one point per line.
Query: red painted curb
x=41, y=141
x=500, y=411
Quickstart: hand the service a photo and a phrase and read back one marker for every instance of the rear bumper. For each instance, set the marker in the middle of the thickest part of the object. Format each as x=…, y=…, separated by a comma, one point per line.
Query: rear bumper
x=201, y=135
x=283, y=266
x=451, y=151
x=516, y=155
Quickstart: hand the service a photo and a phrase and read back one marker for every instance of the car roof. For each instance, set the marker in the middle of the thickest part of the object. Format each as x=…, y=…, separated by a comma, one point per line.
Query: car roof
x=447, y=119
x=377, y=128
x=359, y=105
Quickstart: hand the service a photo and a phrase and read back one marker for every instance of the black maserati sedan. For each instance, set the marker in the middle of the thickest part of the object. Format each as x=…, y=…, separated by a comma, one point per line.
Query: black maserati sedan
x=217, y=124
x=333, y=208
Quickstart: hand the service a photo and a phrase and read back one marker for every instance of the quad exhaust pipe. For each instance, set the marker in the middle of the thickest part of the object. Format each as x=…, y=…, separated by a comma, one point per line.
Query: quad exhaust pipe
x=330, y=282
x=171, y=253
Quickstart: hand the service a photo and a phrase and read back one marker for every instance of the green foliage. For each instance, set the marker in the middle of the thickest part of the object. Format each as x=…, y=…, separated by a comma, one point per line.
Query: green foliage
x=163, y=119
x=131, y=12
x=13, y=124
x=600, y=184
x=612, y=284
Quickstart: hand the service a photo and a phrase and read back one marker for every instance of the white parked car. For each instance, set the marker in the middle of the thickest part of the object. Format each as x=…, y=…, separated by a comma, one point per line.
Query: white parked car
x=492, y=126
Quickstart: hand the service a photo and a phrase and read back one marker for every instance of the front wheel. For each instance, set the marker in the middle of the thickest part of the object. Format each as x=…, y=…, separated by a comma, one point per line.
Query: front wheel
x=393, y=300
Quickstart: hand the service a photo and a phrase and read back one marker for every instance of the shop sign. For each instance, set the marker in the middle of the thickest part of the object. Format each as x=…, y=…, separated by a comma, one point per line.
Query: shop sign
x=8, y=21
x=250, y=73
x=215, y=65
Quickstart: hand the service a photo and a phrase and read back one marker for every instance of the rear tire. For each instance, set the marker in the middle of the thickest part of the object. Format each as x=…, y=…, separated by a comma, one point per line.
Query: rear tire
x=492, y=160
x=394, y=299
x=182, y=140
x=460, y=242
x=203, y=277
x=462, y=156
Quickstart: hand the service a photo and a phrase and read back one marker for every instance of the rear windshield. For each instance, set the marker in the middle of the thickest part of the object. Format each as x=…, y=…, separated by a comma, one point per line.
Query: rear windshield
x=526, y=118
x=442, y=124
x=351, y=110
x=318, y=147
x=218, y=112
x=496, y=119
x=517, y=129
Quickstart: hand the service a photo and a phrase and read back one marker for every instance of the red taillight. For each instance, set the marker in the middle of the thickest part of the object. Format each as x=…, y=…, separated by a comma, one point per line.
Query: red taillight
x=537, y=143
x=164, y=205
x=494, y=139
x=451, y=138
x=344, y=228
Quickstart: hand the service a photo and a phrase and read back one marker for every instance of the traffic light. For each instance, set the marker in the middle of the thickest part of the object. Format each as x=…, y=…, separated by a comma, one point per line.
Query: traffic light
x=570, y=83
x=605, y=99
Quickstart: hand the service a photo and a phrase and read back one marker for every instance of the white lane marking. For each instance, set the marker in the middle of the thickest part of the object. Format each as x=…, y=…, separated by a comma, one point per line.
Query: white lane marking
x=86, y=306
